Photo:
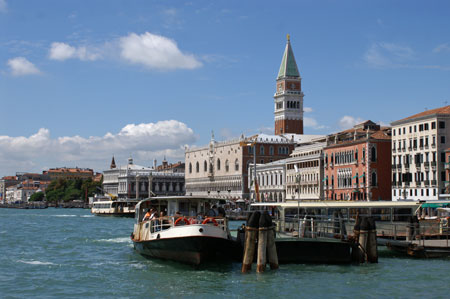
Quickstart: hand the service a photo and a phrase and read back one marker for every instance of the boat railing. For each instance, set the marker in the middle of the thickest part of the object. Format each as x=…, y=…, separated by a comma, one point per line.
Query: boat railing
x=312, y=227
x=166, y=222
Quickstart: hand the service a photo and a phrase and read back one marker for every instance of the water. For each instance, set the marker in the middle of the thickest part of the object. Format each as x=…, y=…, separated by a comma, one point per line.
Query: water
x=68, y=253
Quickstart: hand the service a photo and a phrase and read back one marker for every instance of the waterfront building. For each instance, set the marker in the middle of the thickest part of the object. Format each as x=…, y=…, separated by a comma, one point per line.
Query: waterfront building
x=447, y=170
x=135, y=181
x=357, y=163
x=305, y=171
x=221, y=168
x=5, y=182
x=418, y=154
x=288, y=96
x=271, y=179
x=69, y=173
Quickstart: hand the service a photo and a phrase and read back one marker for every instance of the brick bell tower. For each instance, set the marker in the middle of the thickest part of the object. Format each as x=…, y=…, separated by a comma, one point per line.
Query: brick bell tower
x=288, y=96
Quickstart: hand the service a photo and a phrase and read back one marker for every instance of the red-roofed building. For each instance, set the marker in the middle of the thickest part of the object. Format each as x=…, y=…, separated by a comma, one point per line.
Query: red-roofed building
x=357, y=163
x=70, y=173
x=419, y=144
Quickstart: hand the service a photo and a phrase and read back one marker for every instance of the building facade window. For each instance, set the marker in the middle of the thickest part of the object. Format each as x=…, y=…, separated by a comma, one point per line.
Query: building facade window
x=227, y=166
x=197, y=167
x=205, y=166
x=271, y=152
x=218, y=164
x=190, y=168
x=236, y=165
x=374, y=179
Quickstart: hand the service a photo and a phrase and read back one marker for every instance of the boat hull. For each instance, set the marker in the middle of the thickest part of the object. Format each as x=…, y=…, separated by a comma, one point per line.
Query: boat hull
x=193, y=250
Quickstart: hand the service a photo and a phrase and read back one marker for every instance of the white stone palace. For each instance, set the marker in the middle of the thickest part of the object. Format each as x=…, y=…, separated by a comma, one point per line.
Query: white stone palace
x=135, y=181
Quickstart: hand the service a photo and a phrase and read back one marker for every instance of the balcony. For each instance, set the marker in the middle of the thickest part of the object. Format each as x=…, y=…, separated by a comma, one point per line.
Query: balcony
x=331, y=164
x=399, y=166
x=427, y=146
x=447, y=166
x=433, y=165
x=394, y=150
x=433, y=145
x=406, y=184
x=426, y=165
x=394, y=184
x=418, y=166
x=407, y=167
x=325, y=165
x=362, y=185
x=433, y=182
x=409, y=148
x=421, y=147
x=404, y=149
x=426, y=183
x=394, y=166
x=446, y=184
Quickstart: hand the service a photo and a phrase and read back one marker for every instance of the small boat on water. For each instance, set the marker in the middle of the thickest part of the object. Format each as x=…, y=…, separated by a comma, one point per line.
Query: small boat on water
x=114, y=207
x=189, y=236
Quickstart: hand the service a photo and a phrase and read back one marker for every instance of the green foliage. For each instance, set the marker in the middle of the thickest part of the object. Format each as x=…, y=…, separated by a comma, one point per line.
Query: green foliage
x=38, y=196
x=67, y=190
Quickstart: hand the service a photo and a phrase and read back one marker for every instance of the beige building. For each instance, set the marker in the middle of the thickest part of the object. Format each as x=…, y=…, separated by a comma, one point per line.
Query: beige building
x=304, y=172
x=221, y=168
x=418, y=154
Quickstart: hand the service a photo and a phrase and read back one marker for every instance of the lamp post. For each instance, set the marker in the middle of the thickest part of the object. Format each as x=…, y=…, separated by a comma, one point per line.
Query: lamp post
x=252, y=144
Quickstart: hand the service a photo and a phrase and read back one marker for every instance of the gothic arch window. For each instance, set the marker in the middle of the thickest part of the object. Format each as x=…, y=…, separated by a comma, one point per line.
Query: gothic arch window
x=374, y=179
x=236, y=165
x=227, y=166
x=373, y=154
x=218, y=164
x=190, y=168
x=261, y=150
x=197, y=167
x=271, y=150
x=356, y=155
x=205, y=166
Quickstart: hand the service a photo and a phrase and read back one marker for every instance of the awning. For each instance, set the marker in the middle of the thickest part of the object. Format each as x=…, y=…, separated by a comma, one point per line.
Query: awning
x=435, y=205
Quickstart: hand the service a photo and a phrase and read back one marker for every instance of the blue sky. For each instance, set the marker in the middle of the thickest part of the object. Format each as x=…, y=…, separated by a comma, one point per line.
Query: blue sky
x=83, y=80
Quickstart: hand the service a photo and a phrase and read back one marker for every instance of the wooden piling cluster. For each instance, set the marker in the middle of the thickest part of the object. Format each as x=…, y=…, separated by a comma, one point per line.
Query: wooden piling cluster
x=365, y=234
x=259, y=230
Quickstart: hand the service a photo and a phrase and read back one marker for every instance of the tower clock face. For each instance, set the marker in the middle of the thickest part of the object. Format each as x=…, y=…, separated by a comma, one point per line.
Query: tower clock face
x=293, y=86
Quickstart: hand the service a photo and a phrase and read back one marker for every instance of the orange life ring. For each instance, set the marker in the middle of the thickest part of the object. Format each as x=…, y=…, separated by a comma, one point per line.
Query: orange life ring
x=193, y=221
x=184, y=219
x=210, y=219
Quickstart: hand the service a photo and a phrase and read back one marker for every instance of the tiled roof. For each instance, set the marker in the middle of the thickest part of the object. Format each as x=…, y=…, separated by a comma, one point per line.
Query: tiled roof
x=441, y=110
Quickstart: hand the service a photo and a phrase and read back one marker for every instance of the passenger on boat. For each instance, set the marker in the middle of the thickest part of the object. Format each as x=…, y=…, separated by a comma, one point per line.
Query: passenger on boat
x=221, y=212
x=211, y=212
x=147, y=215
x=154, y=213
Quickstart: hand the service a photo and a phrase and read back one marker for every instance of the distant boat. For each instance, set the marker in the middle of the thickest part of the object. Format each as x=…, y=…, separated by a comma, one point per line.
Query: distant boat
x=187, y=239
x=116, y=207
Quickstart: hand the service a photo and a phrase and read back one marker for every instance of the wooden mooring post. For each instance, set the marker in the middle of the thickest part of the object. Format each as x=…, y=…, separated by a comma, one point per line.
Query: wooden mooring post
x=261, y=230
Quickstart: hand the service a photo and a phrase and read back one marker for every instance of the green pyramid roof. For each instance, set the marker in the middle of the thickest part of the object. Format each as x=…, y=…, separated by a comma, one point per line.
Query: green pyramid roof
x=288, y=66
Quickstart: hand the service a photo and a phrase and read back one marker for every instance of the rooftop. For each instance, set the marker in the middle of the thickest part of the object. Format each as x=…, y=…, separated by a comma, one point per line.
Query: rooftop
x=441, y=110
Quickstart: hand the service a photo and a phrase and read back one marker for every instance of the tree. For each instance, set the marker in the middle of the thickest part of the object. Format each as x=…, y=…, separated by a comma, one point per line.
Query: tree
x=38, y=196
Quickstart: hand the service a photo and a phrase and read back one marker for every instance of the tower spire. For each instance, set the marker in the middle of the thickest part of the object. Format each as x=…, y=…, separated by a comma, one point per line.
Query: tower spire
x=113, y=163
x=288, y=96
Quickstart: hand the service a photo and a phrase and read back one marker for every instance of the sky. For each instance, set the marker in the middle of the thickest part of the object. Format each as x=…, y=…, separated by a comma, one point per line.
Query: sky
x=81, y=81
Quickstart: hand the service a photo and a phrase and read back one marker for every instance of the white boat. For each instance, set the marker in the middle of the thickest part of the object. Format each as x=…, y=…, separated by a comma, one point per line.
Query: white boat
x=188, y=239
x=116, y=207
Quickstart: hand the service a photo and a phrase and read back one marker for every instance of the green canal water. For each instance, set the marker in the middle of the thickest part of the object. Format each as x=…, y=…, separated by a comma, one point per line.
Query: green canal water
x=68, y=253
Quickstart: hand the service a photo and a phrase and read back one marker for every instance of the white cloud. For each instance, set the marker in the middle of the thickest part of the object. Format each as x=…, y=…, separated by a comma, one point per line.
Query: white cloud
x=3, y=6
x=307, y=109
x=388, y=55
x=347, y=122
x=20, y=66
x=150, y=140
x=63, y=51
x=155, y=52
x=442, y=48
